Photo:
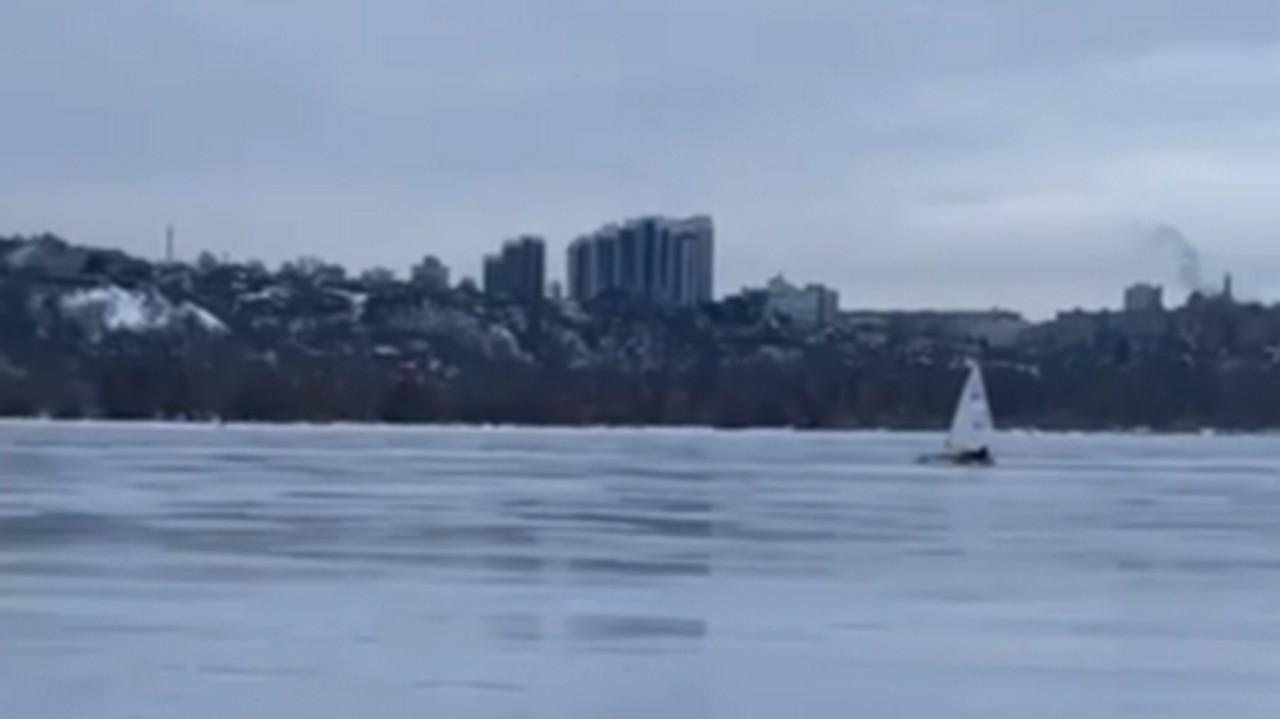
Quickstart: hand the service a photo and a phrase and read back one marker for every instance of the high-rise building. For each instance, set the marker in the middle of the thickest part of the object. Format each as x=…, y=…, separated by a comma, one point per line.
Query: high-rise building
x=494, y=276
x=581, y=269
x=693, y=254
x=657, y=259
x=518, y=271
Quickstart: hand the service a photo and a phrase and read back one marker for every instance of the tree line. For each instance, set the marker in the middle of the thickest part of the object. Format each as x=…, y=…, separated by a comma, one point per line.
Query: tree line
x=220, y=381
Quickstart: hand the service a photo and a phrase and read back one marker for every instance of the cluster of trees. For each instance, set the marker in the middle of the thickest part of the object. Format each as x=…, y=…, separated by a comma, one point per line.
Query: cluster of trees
x=220, y=380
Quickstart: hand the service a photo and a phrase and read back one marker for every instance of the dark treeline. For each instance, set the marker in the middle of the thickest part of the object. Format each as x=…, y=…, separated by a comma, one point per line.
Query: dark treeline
x=216, y=381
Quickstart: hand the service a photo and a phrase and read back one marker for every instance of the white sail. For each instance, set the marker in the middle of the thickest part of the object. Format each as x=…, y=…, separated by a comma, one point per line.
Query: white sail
x=971, y=426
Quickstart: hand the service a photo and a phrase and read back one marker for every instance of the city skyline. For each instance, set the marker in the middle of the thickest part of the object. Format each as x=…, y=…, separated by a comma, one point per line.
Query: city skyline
x=643, y=258
x=930, y=153
x=525, y=267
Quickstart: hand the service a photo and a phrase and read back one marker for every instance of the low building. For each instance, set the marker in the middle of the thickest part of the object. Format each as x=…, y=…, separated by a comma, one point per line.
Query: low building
x=997, y=328
x=813, y=305
x=1143, y=325
x=1072, y=328
x=378, y=276
x=431, y=273
x=313, y=269
x=1144, y=298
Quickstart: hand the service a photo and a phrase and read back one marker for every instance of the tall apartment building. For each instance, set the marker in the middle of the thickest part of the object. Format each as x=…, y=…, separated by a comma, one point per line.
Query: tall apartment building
x=657, y=259
x=518, y=270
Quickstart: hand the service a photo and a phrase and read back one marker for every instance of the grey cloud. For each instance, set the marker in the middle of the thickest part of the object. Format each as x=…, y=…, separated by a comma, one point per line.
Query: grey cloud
x=129, y=89
x=873, y=144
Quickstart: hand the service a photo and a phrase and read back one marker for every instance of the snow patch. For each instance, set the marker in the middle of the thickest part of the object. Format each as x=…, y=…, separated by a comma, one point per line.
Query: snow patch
x=267, y=294
x=114, y=309
x=202, y=317
x=357, y=299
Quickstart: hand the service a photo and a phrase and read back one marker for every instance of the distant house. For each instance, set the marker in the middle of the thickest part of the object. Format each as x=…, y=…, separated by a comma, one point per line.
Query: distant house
x=1144, y=298
x=53, y=259
x=998, y=328
x=49, y=256
x=378, y=276
x=813, y=305
x=1071, y=328
x=314, y=270
x=431, y=273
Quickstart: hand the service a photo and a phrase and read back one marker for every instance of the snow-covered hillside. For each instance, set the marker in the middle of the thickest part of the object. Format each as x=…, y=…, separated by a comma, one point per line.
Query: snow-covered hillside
x=108, y=309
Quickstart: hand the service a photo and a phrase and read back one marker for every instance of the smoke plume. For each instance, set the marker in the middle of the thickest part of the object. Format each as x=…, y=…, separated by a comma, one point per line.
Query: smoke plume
x=1190, y=273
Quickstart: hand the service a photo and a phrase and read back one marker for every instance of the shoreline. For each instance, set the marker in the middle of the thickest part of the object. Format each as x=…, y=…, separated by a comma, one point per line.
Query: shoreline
x=408, y=427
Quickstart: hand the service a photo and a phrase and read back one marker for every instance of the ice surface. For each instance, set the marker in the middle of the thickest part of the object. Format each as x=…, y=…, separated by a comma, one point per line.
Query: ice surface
x=204, y=572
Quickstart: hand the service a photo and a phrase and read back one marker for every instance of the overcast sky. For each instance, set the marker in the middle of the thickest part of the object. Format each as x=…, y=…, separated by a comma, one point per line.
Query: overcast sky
x=908, y=152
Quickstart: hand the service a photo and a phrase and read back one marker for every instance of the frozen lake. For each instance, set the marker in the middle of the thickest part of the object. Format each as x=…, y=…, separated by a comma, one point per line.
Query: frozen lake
x=204, y=573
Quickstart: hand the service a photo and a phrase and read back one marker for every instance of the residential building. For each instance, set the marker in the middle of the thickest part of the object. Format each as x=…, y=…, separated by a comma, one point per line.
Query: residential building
x=656, y=259
x=378, y=276
x=998, y=328
x=1226, y=297
x=518, y=271
x=432, y=273
x=813, y=305
x=1144, y=298
x=1072, y=328
x=48, y=256
x=581, y=269
x=493, y=276
x=306, y=267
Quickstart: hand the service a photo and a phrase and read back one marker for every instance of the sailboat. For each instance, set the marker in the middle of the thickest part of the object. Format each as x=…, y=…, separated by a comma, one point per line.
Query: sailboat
x=969, y=439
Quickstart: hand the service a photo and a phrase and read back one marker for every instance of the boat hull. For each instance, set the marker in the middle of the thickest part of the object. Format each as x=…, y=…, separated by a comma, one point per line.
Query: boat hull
x=955, y=460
